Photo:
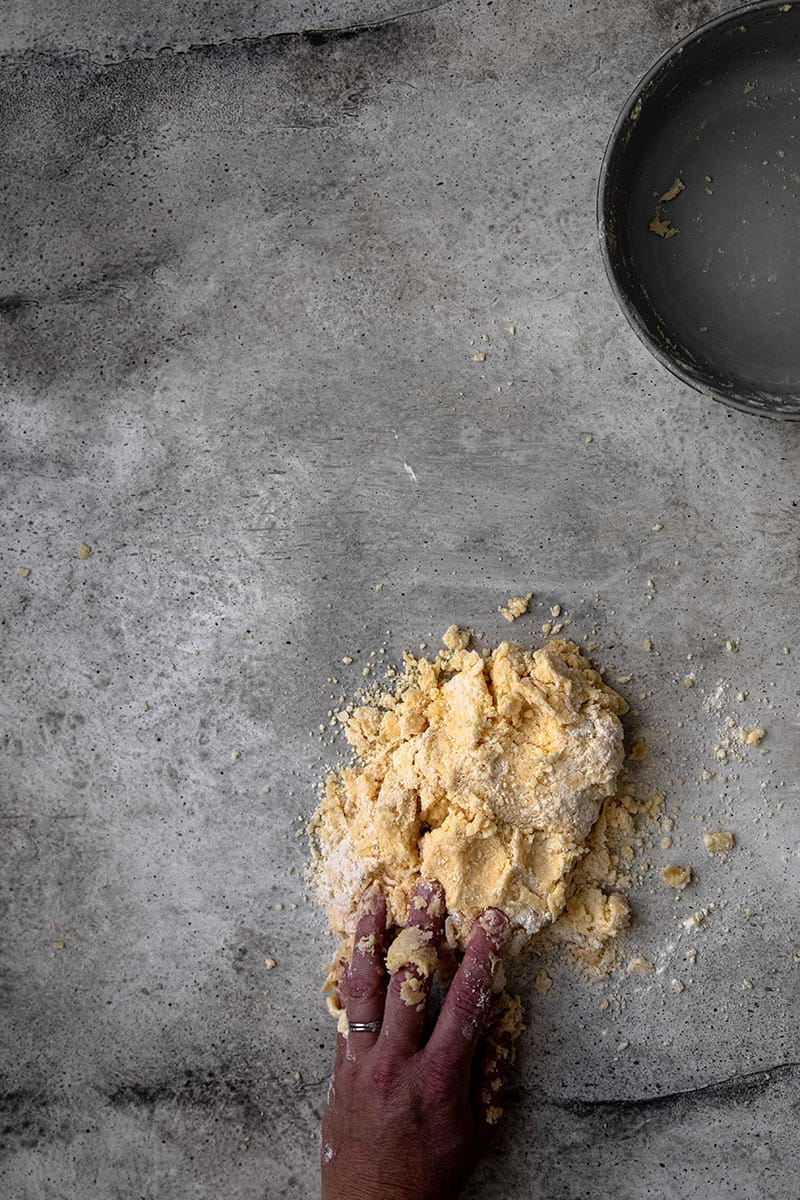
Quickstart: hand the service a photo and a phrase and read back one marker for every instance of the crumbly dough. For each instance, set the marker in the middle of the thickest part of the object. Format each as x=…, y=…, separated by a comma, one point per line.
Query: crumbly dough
x=661, y=227
x=516, y=606
x=412, y=992
x=542, y=983
x=412, y=948
x=677, y=877
x=721, y=841
x=488, y=773
x=674, y=190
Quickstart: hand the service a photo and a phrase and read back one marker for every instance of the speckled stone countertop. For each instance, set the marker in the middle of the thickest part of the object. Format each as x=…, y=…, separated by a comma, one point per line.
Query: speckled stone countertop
x=248, y=256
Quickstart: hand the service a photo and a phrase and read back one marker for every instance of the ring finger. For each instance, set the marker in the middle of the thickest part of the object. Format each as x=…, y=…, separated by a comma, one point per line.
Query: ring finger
x=365, y=977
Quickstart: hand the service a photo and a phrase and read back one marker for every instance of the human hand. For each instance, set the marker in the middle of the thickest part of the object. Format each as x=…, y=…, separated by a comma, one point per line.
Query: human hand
x=407, y=1121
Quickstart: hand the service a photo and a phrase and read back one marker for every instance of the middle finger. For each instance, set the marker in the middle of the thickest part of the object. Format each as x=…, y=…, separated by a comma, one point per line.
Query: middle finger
x=407, y=997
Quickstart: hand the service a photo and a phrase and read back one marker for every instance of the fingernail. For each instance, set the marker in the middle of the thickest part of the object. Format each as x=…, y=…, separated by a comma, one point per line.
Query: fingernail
x=496, y=925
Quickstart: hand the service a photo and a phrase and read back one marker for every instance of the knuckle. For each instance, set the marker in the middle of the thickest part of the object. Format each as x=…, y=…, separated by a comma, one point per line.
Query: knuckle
x=469, y=1003
x=440, y=1075
x=385, y=1077
x=361, y=987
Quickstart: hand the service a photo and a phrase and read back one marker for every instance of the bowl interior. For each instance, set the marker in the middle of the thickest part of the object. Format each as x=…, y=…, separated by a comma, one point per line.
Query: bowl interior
x=700, y=209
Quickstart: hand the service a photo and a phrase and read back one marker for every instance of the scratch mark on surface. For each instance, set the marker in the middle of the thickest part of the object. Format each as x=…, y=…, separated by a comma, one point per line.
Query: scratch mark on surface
x=314, y=36
x=410, y=473
x=740, y=1088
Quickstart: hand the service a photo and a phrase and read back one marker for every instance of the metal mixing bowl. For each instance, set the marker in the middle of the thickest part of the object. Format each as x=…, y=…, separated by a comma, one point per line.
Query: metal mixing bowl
x=699, y=209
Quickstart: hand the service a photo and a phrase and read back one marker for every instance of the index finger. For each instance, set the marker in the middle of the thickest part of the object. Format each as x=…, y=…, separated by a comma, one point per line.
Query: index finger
x=451, y=1045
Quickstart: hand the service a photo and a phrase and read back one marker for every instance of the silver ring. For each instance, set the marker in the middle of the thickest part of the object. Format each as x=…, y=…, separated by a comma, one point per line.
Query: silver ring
x=364, y=1026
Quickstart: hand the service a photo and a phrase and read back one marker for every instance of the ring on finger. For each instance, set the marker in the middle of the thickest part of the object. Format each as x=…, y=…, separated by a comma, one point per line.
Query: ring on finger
x=364, y=1026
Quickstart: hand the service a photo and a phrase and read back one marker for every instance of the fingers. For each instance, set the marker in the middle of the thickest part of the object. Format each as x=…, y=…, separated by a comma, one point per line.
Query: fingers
x=364, y=983
x=451, y=1045
x=410, y=983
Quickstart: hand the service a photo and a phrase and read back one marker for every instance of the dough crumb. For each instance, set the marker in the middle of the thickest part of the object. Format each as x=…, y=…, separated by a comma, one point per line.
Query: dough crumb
x=23, y=572
x=412, y=992
x=640, y=966
x=719, y=842
x=753, y=737
x=678, y=985
x=673, y=191
x=411, y=948
x=516, y=606
x=270, y=964
x=84, y=551
x=455, y=638
x=639, y=750
x=493, y=1114
x=662, y=228
x=542, y=983
x=367, y=944
x=677, y=877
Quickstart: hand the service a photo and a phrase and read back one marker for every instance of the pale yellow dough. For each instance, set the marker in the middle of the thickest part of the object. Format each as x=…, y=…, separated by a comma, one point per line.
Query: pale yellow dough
x=486, y=773
x=517, y=606
x=412, y=948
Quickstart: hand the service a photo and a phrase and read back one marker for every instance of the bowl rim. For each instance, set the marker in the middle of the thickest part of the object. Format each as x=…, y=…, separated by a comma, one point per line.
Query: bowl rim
x=628, y=307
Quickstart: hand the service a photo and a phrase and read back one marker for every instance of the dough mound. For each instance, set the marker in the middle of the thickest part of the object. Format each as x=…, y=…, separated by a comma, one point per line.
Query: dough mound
x=484, y=772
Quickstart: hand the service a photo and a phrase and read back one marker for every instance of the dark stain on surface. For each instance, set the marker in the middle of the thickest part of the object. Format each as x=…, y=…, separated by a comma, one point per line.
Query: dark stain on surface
x=211, y=1091
x=121, y=291
x=324, y=37
x=13, y=304
x=21, y=1114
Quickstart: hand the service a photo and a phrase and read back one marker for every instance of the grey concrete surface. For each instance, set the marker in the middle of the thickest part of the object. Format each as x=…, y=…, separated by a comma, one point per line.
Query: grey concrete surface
x=108, y=31
x=241, y=286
